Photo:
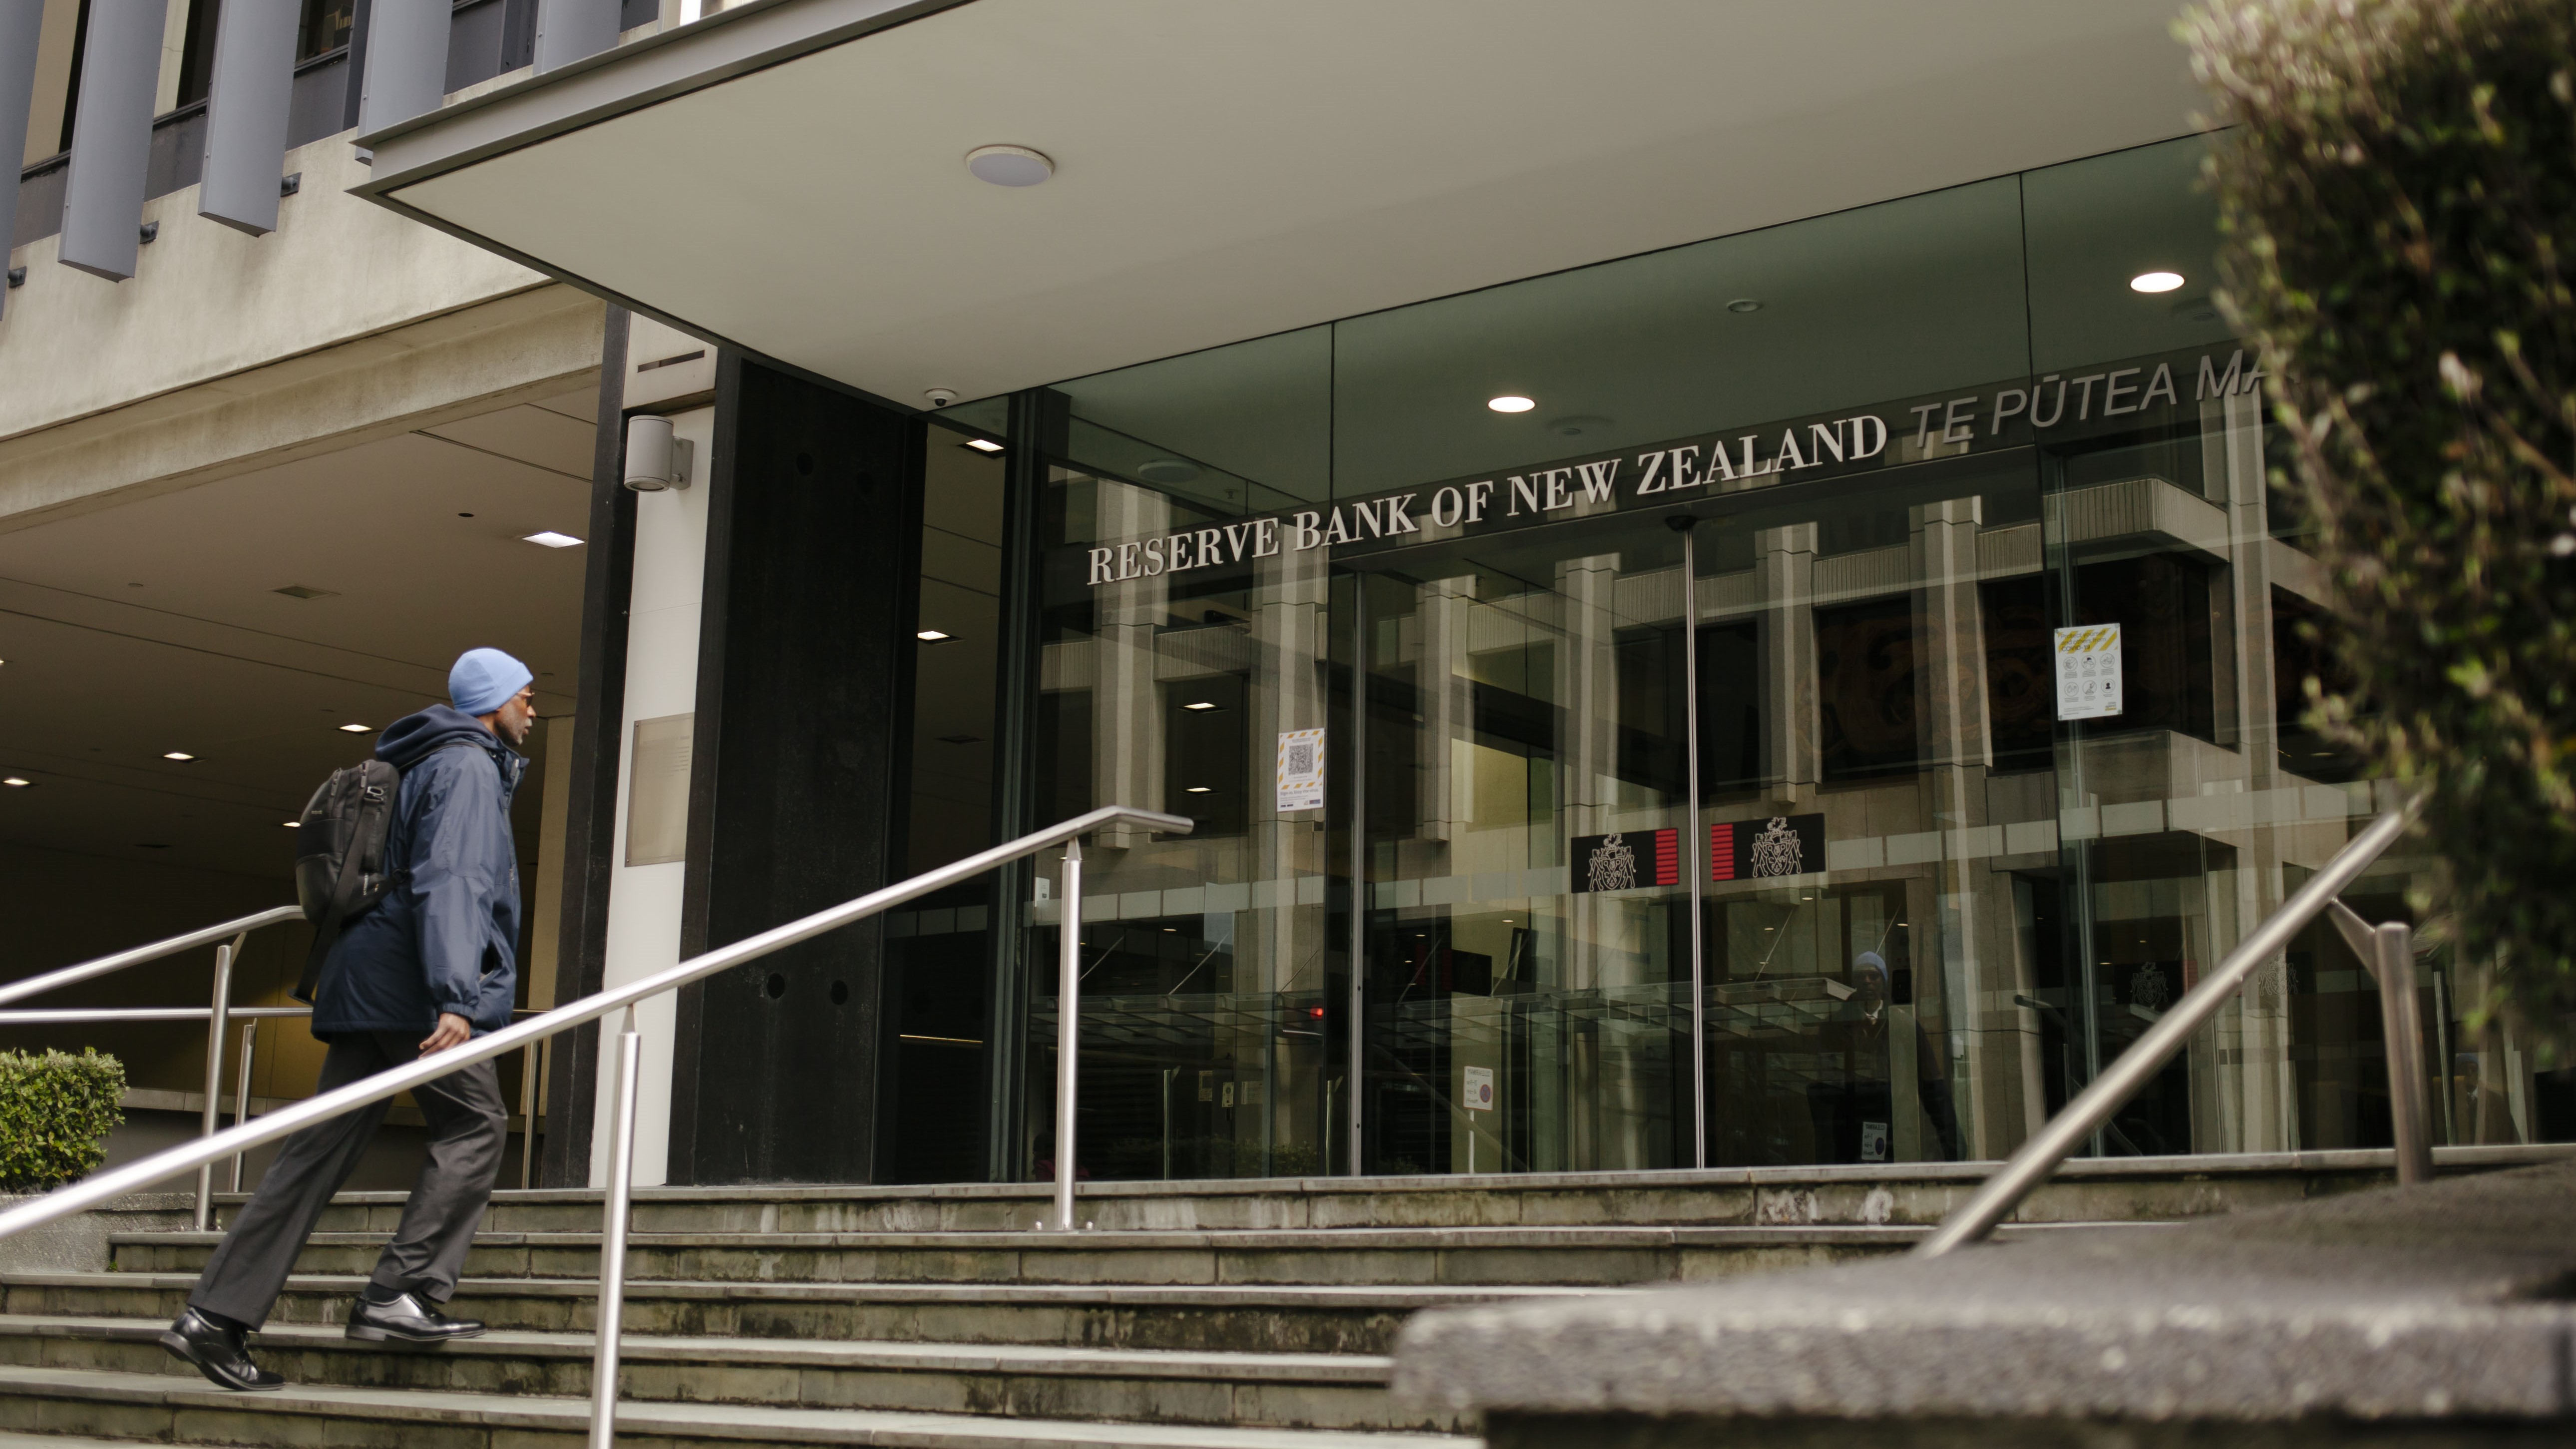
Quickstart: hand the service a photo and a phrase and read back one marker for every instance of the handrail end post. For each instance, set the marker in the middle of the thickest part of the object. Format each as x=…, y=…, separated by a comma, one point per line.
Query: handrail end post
x=1068, y=1014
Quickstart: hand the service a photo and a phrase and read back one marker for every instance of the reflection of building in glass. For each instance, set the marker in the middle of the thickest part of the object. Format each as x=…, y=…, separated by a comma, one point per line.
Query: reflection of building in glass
x=1930, y=906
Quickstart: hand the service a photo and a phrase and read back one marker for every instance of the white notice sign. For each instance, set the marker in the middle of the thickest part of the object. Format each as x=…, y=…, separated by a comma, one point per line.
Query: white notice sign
x=1476, y=1093
x=2088, y=672
x=1301, y=769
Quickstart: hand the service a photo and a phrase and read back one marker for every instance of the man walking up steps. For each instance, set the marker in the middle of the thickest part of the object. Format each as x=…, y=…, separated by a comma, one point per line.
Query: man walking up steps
x=427, y=968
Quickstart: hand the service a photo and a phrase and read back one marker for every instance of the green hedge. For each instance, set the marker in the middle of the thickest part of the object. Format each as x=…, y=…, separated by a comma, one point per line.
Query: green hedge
x=2398, y=196
x=56, y=1110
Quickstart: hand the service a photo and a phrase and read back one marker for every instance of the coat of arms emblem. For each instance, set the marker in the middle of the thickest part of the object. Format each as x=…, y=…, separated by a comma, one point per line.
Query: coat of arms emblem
x=1613, y=866
x=2148, y=987
x=1777, y=850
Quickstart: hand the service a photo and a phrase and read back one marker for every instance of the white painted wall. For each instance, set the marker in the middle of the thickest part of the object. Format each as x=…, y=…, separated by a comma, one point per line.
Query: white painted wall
x=644, y=900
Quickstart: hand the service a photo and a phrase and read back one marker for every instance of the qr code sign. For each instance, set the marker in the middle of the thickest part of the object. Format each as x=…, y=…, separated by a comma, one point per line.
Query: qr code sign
x=1301, y=769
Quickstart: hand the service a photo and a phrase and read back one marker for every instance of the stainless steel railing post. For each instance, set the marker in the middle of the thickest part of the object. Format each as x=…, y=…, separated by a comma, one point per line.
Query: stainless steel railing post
x=612, y=1237
x=2402, y=1028
x=241, y=1091
x=205, y=1211
x=2031, y=1164
x=528, y=1094
x=293, y=1117
x=1068, y=1003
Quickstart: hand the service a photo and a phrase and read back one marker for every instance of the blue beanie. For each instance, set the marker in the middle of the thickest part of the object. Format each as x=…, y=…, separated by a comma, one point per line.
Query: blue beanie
x=484, y=679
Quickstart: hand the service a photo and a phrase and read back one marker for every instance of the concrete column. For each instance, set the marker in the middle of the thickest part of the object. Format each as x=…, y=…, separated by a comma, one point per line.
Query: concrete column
x=1792, y=728
x=1447, y=713
x=544, y=965
x=1613, y=1124
x=1126, y=708
x=174, y=55
x=1972, y=964
x=1278, y=942
x=112, y=138
x=644, y=902
x=2244, y=1087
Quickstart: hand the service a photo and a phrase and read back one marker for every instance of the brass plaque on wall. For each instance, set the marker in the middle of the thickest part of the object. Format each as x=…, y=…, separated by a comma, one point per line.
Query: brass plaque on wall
x=657, y=791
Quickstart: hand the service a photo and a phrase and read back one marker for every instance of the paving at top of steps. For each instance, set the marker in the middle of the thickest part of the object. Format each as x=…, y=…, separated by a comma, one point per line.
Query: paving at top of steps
x=1605, y=1256
x=2104, y=1190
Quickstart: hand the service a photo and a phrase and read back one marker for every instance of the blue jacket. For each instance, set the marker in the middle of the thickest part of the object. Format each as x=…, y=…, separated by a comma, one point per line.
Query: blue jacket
x=445, y=937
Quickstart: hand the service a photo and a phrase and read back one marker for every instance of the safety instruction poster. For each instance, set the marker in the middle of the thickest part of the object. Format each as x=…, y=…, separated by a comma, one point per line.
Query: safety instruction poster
x=1301, y=770
x=2088, y=672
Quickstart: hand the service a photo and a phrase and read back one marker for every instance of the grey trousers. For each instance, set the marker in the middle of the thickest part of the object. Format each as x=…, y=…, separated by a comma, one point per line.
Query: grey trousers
x=468, y=1128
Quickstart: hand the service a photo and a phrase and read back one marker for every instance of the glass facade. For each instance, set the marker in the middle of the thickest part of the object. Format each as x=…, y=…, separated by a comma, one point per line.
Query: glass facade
x=1854, y=697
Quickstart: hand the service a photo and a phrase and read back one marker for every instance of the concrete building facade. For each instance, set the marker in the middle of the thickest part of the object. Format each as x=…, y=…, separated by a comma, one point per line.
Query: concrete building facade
x=1711, y=583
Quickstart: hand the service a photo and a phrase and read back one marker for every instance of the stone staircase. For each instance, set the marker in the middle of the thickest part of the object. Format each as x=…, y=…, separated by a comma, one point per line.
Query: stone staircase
x=1218, y=1314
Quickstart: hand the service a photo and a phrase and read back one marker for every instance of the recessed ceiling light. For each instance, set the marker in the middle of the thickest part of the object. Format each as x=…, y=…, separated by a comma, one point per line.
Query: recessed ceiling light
x=548, y=538
x=1744, y=304
x=1009, y=165
x=983, y=445
x=1200, y=704
x=932, y=636
x=292, y=824
x=1510, y=402
x=304, y=591
x=177, y=755
x=1201, y=790
x=2155, y=281
x=1168, y=470
x=357, y=729
x=16, y=782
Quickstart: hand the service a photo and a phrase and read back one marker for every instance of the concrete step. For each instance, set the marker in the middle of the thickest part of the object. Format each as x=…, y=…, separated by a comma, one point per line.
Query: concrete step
x=168, y=1408
x=2131, y=1189
x=1260, y=1390
x=2436, y=1315
x=1419, y=1257
x=1284, y=1318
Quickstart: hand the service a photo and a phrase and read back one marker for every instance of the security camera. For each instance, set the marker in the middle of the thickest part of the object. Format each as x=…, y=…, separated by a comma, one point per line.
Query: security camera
x=655, y=459
x=940, y=397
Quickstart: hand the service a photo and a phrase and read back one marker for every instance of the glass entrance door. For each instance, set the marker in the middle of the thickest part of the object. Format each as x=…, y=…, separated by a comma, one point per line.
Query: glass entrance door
x=1875, y=793
x=1526, y=937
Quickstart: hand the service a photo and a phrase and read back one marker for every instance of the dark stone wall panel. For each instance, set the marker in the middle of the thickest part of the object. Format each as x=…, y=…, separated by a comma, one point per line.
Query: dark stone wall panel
x=804, y=703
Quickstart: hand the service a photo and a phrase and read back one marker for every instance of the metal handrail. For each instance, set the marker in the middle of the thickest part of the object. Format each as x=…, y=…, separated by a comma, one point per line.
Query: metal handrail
x=56, y=1016
x=2039, y=1157
x=39, y=985
x=202, y=1154
x=216, y=1011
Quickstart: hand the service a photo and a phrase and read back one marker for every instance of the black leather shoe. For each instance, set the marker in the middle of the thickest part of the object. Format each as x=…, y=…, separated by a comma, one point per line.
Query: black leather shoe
x=218, y=1353
x=411, y=1318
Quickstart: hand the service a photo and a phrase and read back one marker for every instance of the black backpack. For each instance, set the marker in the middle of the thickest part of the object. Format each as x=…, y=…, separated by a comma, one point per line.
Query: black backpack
x=340, y=855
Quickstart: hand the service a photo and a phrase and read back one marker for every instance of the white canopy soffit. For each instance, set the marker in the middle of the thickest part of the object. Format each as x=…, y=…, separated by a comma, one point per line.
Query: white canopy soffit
x=789, y=177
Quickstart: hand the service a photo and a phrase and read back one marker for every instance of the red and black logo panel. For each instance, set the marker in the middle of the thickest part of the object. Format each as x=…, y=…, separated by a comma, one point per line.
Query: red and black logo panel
x=1632, y=861
x=1780, y=845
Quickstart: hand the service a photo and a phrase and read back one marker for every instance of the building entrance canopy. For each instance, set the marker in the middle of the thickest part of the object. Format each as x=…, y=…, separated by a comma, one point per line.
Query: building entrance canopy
x=789, y=176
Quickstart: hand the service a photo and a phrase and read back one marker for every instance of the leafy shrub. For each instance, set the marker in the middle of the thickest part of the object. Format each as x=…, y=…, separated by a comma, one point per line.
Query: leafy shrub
x=56, y=1110
x=2398, y=195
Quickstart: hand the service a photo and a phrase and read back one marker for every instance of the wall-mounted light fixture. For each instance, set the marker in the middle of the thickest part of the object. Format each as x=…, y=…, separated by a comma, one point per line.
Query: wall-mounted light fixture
x=656, y=458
